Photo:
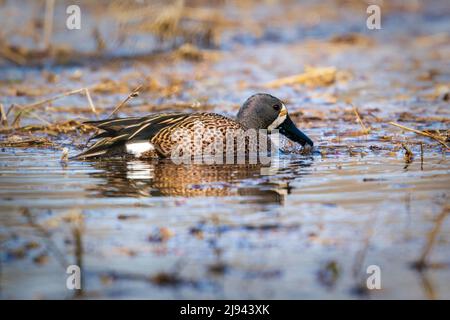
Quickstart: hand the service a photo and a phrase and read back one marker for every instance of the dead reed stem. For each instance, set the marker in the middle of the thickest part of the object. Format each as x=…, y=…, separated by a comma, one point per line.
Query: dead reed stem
x=45, y=101
x=422, y=133
x=26, y=108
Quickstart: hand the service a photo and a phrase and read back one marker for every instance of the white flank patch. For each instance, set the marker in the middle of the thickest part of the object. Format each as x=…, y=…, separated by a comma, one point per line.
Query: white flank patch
x=279, y=120
x=138, y=148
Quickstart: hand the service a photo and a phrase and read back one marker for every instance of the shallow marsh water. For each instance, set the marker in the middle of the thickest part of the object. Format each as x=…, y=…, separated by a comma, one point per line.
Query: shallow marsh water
x=156, y=230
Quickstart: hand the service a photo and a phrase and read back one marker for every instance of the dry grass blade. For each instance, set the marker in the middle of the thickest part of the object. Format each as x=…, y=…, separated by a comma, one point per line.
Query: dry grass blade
x=91, y=103
x=361, y=123
x=132, y=95
x=422, y=133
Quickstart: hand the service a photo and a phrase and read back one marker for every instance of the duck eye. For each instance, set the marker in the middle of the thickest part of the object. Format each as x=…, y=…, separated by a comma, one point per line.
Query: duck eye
x=276, y=107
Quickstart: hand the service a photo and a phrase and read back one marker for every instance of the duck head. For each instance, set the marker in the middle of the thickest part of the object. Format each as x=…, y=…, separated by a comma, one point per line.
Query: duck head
x=264, y=111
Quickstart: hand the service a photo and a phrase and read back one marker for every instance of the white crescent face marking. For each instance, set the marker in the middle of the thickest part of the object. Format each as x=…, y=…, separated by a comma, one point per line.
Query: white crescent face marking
x=280, y=119
x=138, y=148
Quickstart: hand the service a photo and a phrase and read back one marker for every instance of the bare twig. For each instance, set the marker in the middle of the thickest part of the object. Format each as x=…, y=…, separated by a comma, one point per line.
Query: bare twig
x=423, y=133
x=91, y=103
x=133, y=94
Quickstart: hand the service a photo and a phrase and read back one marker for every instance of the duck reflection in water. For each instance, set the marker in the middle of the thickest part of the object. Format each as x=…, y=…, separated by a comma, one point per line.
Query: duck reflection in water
x=164, y=178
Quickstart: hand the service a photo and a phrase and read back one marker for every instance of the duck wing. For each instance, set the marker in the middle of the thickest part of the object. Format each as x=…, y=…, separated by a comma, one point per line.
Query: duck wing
x=118, y=132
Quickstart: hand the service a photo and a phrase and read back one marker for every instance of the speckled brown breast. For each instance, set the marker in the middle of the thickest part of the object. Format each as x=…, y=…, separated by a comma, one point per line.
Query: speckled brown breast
x=213, y=125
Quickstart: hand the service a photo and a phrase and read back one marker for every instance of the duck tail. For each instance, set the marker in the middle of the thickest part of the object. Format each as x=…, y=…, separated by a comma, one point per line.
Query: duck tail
x=107, y=146
x=110, y=142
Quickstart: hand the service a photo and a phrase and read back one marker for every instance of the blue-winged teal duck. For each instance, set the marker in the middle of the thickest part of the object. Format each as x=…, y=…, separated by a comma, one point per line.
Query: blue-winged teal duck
x=150, y=136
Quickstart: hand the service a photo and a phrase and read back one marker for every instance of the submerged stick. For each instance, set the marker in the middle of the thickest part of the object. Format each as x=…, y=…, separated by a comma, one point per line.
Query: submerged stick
x=422, y=133
x=133, y=94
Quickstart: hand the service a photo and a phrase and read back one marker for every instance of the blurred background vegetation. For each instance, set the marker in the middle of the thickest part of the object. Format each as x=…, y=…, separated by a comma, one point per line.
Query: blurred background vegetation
x=36, y=30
